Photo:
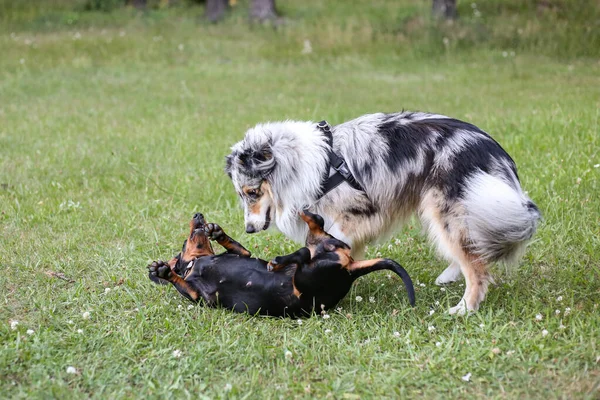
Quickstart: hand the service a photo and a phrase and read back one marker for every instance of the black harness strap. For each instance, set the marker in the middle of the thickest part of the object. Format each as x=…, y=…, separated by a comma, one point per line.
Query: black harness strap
x=336, y=162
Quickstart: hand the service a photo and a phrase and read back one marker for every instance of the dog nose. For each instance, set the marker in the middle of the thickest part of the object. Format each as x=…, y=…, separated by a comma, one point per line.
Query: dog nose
x=250, y=228
x=199, y=217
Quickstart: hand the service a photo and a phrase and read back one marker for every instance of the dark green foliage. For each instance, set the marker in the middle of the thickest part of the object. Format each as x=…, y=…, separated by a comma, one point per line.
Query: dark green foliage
x=103, y=5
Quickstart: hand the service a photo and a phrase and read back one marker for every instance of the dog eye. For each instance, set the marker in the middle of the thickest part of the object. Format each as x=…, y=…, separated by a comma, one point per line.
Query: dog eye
x=252, y=192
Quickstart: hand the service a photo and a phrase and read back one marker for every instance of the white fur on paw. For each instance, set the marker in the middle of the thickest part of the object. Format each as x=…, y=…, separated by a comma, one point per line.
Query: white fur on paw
x=450, y=274
x=459, y=309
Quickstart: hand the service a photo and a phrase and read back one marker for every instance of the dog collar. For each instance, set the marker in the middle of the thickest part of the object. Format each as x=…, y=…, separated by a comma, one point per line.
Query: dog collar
x=342, y=172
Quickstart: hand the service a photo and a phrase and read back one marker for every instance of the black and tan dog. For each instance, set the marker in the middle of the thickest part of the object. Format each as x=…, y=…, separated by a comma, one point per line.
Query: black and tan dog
x=315, y=277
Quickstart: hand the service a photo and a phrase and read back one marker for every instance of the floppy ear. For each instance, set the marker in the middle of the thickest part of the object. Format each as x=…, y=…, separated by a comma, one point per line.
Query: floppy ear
x=263, y=161
x=257, y=163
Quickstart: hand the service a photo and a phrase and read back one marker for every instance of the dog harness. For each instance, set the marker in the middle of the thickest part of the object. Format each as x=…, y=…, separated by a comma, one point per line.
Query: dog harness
x=342, y=172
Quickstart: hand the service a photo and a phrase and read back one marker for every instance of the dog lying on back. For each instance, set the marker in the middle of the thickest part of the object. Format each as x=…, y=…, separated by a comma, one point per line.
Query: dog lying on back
x=316, y=277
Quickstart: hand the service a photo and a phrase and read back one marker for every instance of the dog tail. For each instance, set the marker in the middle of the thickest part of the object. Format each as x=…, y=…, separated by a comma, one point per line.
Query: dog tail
x=360, y=268
x=501, y=219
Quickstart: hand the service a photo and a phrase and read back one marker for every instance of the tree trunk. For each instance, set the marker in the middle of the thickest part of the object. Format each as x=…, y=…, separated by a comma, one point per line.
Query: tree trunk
x=215, y=9
x=445, y=9
x=263, y=10
x=139, y=4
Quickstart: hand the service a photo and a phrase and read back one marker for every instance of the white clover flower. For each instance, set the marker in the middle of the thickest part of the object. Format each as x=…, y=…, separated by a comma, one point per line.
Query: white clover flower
x=288, y=355
x=438, y=344
x=71, y=370
x=359, y=299
x=467, y=377
x=70, y=322
x=86, y=315
x=443, y=289
x=179, y=307
x=14, y=324
x=181, y=47
x=596, y=165
x=396, y=334
x=567, y=311
x=559, y=298
x=482, y=325
x=557, y=312
x=496, y=350
x=539, y=317
x=390, y=247
x=371, y=299
x=431, y=328
x=177, y=353
x=106, y=290
x=299, y=322
x=437, y=303
x=422, y=284
x=562, y=327
x=510, y=353
x=327, y=330
x=189, y=307
x=431, y=312
x=544, y=332
x=228, y=387
x=504, y=54
x=80, y=331
x=30, y=332
x=326, y=316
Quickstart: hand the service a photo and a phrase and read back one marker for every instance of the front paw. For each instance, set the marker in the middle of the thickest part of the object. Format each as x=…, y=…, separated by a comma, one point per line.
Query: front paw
x=160, y=269
x=275, y=264
x=213, y=231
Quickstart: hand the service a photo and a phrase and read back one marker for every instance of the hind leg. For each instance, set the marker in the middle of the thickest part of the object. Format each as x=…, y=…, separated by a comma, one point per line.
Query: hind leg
x=446, y=226
x=450, y=274
x=477, y=280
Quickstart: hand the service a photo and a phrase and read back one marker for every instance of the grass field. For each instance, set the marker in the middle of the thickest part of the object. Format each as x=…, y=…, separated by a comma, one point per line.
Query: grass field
x=113, y=132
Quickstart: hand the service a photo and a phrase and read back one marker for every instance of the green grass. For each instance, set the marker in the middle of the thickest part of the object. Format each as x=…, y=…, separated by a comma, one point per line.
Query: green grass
x=113, y=131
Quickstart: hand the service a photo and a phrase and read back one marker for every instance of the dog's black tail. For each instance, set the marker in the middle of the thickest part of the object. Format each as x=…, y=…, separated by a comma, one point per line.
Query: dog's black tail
x=360, y=268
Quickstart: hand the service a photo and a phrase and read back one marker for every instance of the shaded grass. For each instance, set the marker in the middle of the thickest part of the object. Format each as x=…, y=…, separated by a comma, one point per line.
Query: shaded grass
x=110, y=140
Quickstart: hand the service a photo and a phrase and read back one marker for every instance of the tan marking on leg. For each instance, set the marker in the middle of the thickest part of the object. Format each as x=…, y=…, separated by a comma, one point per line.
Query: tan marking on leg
x=184, y=286
x=450, y=233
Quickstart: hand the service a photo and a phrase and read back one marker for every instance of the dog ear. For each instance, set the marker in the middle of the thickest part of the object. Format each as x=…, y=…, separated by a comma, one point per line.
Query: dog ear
x=264, y=162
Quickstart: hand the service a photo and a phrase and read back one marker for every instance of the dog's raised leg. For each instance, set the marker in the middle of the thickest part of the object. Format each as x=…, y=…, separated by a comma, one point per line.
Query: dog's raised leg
x=299, y=257
x=162, y=270
x=450, y=274
x=215, y=232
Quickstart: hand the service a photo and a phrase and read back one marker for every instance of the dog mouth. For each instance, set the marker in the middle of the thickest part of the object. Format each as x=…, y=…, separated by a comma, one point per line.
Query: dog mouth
x=267, y=220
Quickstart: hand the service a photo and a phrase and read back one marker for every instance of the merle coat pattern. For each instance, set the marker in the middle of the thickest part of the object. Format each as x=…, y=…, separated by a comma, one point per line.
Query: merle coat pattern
x=459, y=181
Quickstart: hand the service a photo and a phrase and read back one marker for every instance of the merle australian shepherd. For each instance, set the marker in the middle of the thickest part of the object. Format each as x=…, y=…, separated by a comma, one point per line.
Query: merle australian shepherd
x=459, y=181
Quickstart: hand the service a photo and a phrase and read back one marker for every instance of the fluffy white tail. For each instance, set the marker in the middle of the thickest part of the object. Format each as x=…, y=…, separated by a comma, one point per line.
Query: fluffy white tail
x=500, y=218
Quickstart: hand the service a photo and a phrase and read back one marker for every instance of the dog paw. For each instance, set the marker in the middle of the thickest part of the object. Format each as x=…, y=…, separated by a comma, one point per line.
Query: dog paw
x=213, y=231
x=274, y=265
x=450, y=274
x=160, y=269
x=461, y=308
